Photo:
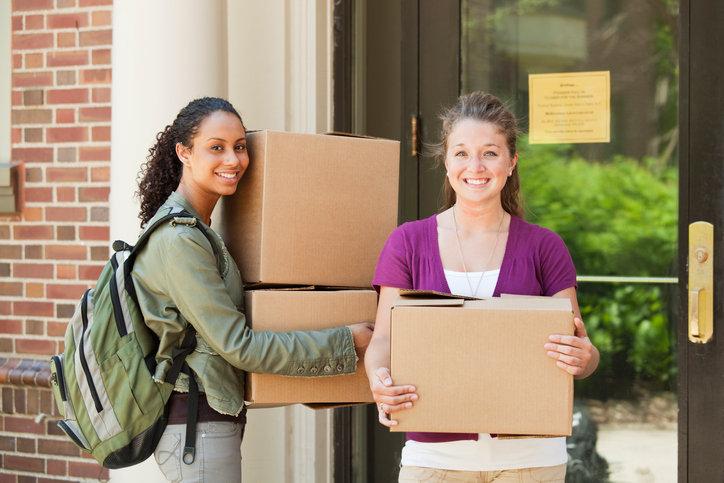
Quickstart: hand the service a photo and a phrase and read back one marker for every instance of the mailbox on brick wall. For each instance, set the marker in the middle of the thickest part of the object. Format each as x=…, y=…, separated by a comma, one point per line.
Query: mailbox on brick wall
x=12, y=188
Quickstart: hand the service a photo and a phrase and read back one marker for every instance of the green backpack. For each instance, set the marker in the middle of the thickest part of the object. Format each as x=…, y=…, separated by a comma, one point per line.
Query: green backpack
x=103, y=381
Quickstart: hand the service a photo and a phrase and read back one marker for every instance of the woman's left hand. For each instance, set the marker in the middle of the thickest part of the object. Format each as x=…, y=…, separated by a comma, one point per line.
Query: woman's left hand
x=573, y=353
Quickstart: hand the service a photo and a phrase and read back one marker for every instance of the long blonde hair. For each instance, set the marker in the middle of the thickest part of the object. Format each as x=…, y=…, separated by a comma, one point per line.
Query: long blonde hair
x=484, y=107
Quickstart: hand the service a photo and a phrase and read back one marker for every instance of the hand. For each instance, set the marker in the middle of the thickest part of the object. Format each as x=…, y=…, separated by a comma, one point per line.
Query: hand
x=573, y=352
x=390, y=398
x=362, y=333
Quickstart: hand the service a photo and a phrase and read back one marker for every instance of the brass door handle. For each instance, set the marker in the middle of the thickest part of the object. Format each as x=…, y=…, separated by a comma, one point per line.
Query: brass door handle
x=694, y=298
x=701, y=282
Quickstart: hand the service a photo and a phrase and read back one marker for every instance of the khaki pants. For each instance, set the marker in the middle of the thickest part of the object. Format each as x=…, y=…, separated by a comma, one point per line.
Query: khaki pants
x=551, y=474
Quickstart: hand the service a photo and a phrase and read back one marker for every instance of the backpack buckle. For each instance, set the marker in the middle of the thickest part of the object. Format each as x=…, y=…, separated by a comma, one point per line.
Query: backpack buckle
x=183, y=220
x=189, y=454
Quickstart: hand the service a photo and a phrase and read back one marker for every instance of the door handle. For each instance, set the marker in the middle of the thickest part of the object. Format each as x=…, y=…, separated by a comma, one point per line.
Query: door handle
x=701, y=282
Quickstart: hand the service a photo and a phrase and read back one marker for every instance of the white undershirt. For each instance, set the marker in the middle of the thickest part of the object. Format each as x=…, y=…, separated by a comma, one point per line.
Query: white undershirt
x=487, y=453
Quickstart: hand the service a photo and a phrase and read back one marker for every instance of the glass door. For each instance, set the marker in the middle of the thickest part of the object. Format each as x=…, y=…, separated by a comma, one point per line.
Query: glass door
x=615, y=205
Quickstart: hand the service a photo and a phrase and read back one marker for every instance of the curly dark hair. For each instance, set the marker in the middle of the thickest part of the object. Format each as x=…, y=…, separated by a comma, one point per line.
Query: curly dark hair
x=161, y=173
x=483, y=107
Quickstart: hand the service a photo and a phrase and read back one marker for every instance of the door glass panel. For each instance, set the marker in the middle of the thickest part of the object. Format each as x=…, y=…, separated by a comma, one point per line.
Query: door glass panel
x=614, y=204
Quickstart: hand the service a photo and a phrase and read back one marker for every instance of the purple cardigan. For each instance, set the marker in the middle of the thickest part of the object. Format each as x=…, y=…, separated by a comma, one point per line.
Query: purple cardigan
x=536, y=262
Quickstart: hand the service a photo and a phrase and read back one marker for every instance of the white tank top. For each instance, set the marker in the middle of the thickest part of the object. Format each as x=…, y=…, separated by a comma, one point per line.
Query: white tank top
x=487, y=453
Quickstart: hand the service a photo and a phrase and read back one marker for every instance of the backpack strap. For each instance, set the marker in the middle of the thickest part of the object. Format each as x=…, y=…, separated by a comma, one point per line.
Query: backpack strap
x=180, y=365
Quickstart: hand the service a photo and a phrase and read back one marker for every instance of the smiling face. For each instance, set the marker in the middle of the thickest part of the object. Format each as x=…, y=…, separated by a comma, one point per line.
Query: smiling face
x=478, y=161
x=215, y=162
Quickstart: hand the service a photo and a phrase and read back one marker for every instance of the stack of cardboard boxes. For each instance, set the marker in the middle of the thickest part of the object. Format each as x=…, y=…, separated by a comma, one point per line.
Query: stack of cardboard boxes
x=306, y=227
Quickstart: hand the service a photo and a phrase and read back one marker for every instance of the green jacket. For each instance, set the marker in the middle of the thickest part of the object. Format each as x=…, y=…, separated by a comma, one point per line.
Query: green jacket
x=179, y=281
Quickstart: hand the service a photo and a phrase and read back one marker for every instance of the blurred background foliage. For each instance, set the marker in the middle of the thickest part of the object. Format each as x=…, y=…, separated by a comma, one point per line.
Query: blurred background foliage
x=617, y=217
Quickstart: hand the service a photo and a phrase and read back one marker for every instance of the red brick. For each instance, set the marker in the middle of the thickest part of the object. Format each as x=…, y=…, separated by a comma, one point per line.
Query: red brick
x=36, y=346
x=25, y=5
x=33, y=270
x=33, y=97
x=72, y=292
x=34, y=291
x=34, y=135
x=33, y=155
x=67, y=96
x=88, y=195
x=17, y=61
x=66, y=3
x=65, y=194
x=95, y=76
x=11, y=252
x=16, y=135
x=65, y=78
x=25, y=445
x=95, y=114
x=65, y=116
x=17, y=22
x=87, y=470
x=66, y=39
x=32, y=41
x=99, y=233
x=101, y=56
x=68, y=20
x=101, y=18
x=89, y=272
x=96, y=37
x=56, y=467
x=66, y=252
x=33, y=252
x=33, y=175
x=100, y=134
x=94, y=154
x=24, y=463
x=14, y=289
x=6, y=308
x=62, y=175
x=34, y=327
x=33, y=309
x=71, y=57
x=57, y=329
x=33, y=213
x=95, y=3
x=11, y=326
x=67, y=155
x=32, y=79
x=33, y=232
x=101, y=174
x=101, y=94
x=65, y=272
x=38, y=194
x=65, y=213
x=31, y=116
x=67, y=134
x=34, y=61
x=34, y=22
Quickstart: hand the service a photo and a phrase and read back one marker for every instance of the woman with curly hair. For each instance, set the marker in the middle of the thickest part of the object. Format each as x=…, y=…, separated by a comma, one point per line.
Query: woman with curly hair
x=183, y=278
x=478, y=245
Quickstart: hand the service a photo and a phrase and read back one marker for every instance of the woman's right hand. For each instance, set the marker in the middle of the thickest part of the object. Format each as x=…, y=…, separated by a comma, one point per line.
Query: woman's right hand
x=362, y=333
x=390, y=398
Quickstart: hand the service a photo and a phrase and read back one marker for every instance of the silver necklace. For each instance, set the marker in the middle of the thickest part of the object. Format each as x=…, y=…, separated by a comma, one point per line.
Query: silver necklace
x=460, y=250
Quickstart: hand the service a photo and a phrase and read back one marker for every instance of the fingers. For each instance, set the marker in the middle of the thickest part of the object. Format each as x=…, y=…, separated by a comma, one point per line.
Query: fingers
x=572, y=352
x=390, y=398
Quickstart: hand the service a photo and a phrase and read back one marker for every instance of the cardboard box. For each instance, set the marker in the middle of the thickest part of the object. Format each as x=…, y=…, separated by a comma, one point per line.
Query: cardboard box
x=312, y=209
x=480, y=366
x=287, y=310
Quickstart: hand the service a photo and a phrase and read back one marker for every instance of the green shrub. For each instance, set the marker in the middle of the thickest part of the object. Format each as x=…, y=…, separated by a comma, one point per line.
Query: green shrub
x=617, y=218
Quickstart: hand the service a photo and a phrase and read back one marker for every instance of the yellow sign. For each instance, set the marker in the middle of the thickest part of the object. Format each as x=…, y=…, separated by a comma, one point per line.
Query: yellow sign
x=570, y=108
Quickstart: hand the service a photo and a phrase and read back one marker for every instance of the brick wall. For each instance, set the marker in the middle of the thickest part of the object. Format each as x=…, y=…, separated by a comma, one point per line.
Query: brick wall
x=61, y=115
